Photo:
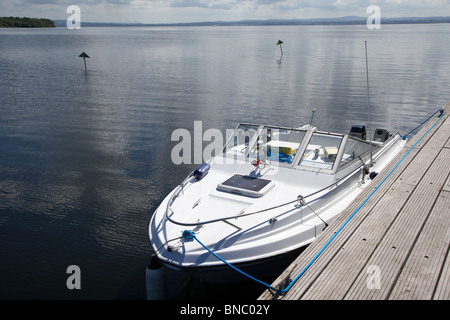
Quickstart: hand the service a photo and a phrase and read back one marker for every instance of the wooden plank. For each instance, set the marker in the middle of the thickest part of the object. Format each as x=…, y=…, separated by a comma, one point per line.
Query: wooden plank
x=420, y=275
x=359, y=247
x=447, y=145
x=393, y=251
x=443, y=287
x=446, y=186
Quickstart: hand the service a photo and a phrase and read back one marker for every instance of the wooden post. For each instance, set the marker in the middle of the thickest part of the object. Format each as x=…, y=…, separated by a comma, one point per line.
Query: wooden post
x=279, y=44
x=84, y=56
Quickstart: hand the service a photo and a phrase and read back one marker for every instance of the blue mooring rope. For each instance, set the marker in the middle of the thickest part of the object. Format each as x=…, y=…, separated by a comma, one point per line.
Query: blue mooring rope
x=191, y=235
x=406, y=135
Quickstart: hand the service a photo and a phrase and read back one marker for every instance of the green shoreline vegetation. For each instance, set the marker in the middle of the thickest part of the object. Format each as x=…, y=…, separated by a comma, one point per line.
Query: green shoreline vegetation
x=16, y=22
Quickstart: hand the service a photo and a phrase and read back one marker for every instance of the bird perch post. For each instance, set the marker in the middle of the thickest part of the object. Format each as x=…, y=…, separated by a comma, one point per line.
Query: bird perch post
x=84, y=56
x=279, y=44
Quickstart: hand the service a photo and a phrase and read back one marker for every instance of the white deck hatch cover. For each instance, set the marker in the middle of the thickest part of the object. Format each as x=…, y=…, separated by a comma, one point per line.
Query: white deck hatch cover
x=246, y=185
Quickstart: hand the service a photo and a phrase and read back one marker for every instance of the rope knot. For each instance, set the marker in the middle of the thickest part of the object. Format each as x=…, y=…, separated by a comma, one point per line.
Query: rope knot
x=188, y=234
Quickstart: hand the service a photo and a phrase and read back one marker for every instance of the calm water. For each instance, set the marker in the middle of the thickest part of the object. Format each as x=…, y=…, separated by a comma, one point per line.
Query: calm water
x=85, y=157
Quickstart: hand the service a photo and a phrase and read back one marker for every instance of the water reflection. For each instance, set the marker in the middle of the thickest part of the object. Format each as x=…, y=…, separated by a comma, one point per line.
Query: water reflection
x=86, y=157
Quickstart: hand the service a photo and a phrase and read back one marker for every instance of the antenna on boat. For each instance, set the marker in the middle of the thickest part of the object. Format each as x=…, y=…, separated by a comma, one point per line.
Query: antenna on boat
x=368, y=104
x=312, y=116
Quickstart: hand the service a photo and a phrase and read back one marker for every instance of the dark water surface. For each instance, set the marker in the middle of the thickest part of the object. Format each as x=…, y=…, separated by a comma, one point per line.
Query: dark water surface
x=85, y=157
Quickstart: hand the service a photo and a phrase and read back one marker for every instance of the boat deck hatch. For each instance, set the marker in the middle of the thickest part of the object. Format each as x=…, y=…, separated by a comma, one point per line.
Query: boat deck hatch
x=246, y=185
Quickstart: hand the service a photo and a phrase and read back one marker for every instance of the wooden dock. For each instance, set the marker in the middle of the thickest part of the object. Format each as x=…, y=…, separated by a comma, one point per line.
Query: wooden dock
x=396, y=246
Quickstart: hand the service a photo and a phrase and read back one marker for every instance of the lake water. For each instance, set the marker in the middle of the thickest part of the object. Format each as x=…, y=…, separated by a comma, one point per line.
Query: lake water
x=85, y=157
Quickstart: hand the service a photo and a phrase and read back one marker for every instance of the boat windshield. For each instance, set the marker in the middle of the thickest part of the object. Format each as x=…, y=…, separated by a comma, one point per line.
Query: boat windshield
x=322, y=150
x=239, y=142
x=278, y=144
x=281, y=145
x=354, y=148
x=275, y=144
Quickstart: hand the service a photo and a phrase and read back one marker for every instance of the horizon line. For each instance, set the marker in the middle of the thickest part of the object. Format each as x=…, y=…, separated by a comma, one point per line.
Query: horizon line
x=280, y=21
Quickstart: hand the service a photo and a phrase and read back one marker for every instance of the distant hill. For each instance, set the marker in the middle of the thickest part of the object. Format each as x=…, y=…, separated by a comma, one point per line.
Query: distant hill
x=16, y=22
x=349, y=20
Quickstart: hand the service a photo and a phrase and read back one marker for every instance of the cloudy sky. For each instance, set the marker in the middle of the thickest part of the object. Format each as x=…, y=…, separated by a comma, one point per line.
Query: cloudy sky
x=170, y=11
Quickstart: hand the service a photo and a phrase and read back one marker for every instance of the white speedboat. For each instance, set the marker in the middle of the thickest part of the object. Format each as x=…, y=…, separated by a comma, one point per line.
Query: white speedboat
x=271, y=192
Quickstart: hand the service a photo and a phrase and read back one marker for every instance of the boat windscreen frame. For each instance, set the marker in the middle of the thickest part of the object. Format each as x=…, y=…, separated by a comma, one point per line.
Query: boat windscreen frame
x=277, y=157
x=256, y=138
x=364, y=156
x=252, y=141
x=334, y=166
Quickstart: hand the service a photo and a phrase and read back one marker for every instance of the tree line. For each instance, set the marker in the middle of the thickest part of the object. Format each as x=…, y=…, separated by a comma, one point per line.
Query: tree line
x=16, y=22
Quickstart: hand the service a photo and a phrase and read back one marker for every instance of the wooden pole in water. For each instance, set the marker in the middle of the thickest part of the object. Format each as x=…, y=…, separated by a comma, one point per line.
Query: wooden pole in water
x=84, y=56
x=279, y=44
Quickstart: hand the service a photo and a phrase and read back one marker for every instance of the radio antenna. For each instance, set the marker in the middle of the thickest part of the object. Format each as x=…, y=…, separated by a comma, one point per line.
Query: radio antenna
x=312, y=116
x=368, y=104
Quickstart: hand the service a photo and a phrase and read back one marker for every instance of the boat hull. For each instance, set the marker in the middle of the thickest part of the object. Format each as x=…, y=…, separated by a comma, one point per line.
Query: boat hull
x=264, y=269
